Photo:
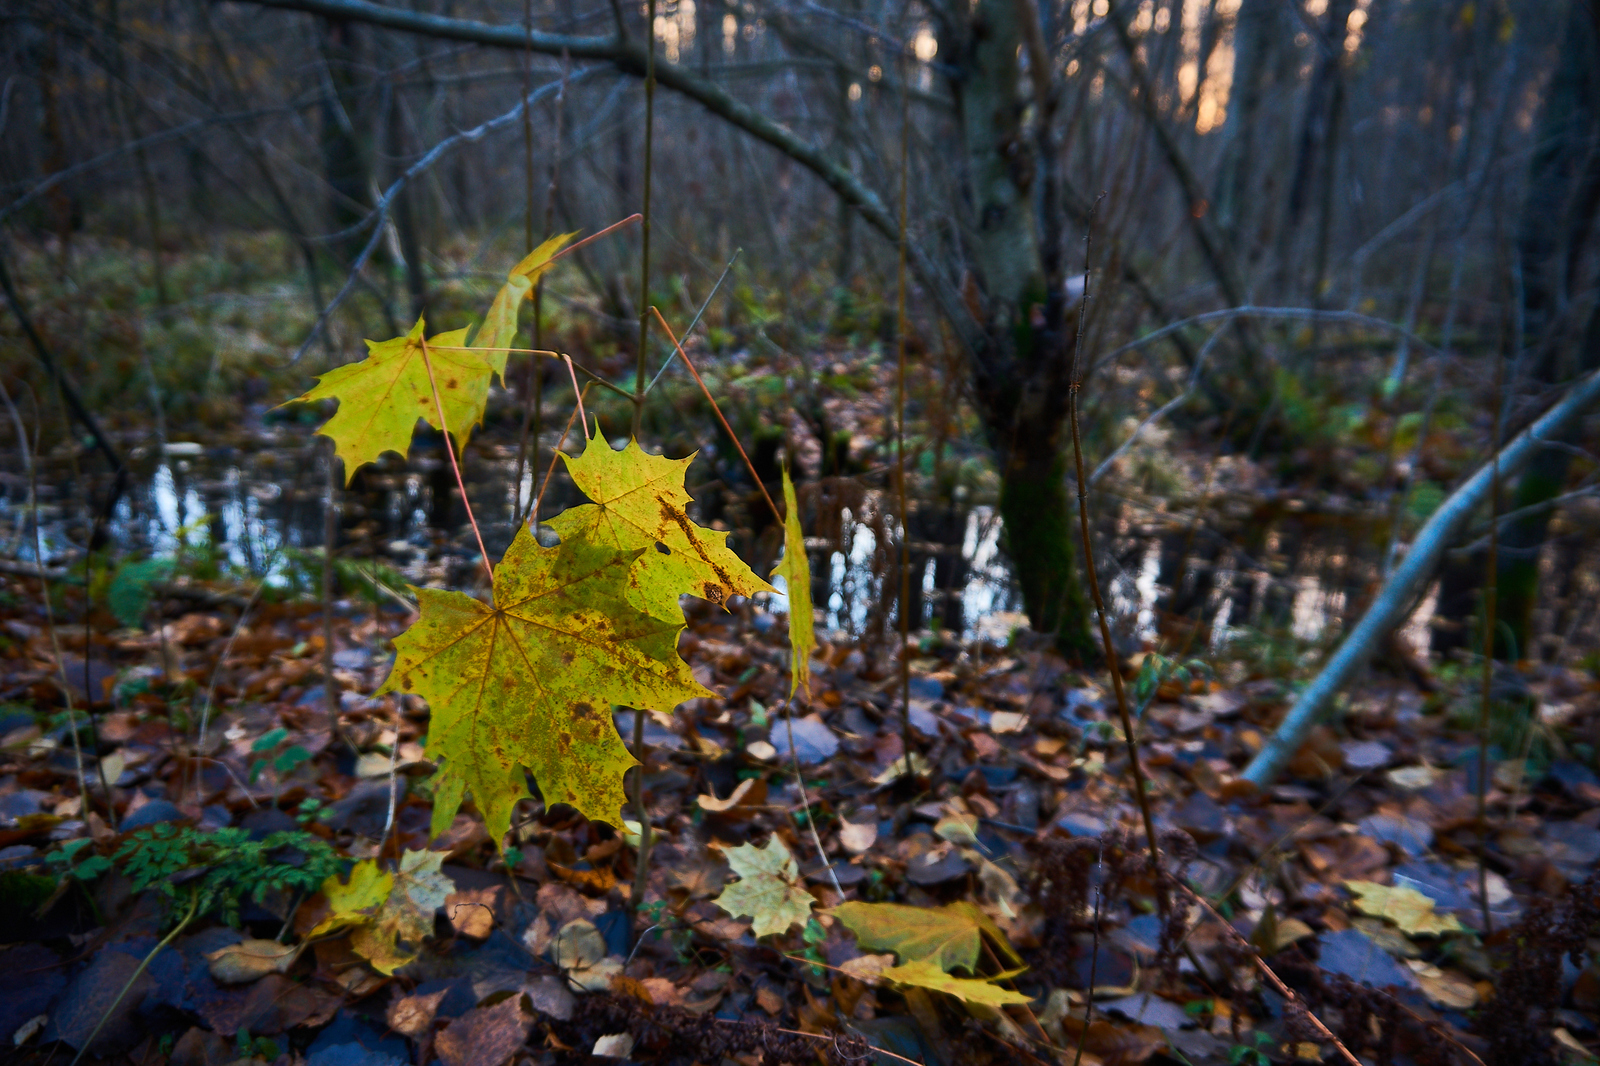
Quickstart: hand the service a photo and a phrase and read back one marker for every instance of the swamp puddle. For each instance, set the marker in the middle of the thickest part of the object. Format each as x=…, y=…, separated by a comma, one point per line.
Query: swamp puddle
x=257, y=498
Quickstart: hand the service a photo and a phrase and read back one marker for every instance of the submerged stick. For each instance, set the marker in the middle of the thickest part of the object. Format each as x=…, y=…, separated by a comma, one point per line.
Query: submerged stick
x=1389, y=606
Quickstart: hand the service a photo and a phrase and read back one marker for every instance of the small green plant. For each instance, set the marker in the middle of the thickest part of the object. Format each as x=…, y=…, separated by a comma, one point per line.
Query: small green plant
x=283, y=762
x=210, y=872
x=1253, y=1053
x=259, y=1047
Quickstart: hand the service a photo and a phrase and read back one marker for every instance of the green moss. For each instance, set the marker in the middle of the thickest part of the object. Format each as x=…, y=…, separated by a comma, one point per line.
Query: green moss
x=1040, y=529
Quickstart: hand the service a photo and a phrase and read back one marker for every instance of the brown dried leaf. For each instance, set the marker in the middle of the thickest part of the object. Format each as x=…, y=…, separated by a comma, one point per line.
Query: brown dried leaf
x=413, y=1015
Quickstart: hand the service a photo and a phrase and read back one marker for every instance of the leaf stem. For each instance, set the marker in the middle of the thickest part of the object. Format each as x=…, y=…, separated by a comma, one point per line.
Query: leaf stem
x=811, y=818
x=450, y=450
x=1140, y=795
x=194, y=905
x=901, y=324
x=551, y=469
x=720, y=417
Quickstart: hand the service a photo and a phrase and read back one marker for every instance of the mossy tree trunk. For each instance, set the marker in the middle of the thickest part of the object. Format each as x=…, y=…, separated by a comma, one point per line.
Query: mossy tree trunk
x=1013, y=286
x=1556, y=235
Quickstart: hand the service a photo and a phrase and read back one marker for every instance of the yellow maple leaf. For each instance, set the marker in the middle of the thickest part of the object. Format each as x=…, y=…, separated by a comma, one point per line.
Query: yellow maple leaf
x=949, y=937
x=925, y=973
x=529, y=682
x=499, y=327
x=795, y=569
x=384, y=909
x=381, y=397
x=1407, y=908
x=640, y=502
x=769, y=889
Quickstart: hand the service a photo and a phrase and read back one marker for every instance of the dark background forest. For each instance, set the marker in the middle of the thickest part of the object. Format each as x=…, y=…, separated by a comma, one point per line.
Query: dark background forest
x=1188, y=343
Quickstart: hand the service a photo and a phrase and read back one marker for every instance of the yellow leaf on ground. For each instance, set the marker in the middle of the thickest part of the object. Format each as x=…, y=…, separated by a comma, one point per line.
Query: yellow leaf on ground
x=381, y=397
x=530, y=681
x=1405, y=907
x=639, y=503
x=795, y=569
x=385, y=909
x=769, y=890
x=949, y=936
x=925, y=973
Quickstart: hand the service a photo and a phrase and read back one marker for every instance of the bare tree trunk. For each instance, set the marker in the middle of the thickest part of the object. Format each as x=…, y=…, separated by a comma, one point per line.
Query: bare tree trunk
x=344, y=157
x=1556, y=234
x=1022, y=375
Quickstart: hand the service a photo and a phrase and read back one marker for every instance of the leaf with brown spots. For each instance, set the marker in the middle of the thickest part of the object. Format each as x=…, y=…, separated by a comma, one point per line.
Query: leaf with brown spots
x=381, y=397
x=529, y=682
x=640, y=502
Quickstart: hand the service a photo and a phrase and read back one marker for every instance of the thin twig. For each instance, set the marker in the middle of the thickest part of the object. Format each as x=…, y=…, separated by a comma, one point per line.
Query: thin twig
x=194, y=905
x=689, y=331
x=1266, y=971
x=1141, y=796
x=901, y=325
x=720, y=416
x=557, y=454
x=811, y=816
x=1491, y=599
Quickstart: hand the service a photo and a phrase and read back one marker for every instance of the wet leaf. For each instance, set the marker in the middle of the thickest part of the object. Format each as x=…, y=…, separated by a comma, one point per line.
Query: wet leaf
x=529, y=682
x=949, y=936
x=385, y=909
x=770, y=889
x=925, y=973
x=795, y=569
x=639, y=503
x=249, y=960
x=381, y=397
x=413, y=1015
x=487, y=1036
x=1407, y=908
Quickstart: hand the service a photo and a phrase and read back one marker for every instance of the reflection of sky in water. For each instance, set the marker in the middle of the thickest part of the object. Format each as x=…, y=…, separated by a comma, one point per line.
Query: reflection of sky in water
x=252, y=509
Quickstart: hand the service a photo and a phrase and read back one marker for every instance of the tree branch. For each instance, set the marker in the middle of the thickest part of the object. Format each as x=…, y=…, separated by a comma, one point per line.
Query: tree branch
x=629, y=57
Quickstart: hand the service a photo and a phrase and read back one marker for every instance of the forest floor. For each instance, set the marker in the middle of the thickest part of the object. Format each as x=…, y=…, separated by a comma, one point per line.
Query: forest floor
x=1356, y=881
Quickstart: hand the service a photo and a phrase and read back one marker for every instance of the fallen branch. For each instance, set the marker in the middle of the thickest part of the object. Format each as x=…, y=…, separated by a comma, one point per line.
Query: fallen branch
x=1389, y=607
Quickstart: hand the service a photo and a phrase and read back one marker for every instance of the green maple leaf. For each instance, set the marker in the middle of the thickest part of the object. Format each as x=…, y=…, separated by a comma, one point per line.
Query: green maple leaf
x=530, y=681
x=795, y=569
x=499, y=327
x=639, y=503
x=769, y=890
x=384, y=909
x=949, y=936
x=925, y=973
x=381, y=397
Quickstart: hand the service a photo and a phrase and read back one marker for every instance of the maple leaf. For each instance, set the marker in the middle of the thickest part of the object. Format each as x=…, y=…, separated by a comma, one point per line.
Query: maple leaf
x=949, y=936
x=1406, y=907
x=381, y=397
x=499, y=327
x=529, y=682
x=384, y=909
x=769, y=889
x=640, y=502
x=925, y=973
x=795, y=569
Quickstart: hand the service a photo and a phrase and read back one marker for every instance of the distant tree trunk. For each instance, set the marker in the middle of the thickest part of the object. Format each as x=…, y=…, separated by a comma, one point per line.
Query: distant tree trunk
x=1254, y=38
x=344, y=156
x=1022, y=374
x=1314, y=156
x=404, y=213
x=1556, y=237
